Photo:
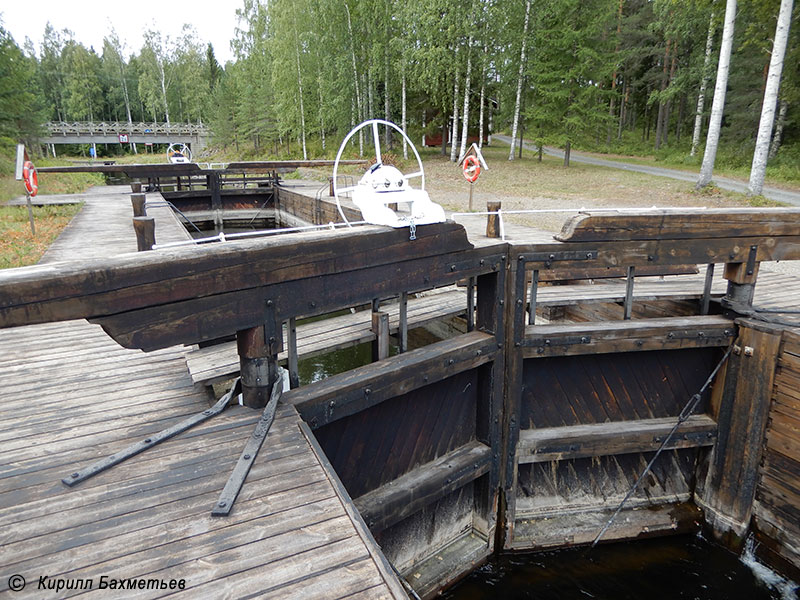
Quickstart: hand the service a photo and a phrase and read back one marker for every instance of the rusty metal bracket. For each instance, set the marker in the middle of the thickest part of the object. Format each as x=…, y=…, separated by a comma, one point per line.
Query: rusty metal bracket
x=236, y=480
x=713, y=334
x=150, y=441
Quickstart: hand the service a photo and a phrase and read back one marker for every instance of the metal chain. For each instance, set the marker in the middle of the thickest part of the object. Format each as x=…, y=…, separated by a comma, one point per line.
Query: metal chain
x=413, y=230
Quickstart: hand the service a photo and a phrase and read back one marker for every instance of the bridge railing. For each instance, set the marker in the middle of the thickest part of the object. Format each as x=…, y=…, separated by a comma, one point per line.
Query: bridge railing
x=115, y=127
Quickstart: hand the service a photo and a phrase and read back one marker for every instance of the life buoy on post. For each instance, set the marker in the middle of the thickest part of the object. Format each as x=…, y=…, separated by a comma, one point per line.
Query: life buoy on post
x=472, y=168
x=30, y=178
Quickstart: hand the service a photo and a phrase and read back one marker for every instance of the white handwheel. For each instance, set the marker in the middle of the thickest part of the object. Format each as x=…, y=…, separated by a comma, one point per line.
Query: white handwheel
x=179, y=153
x=370, y=193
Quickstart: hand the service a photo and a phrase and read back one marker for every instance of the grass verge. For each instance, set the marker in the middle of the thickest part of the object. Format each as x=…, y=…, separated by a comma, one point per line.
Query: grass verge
x=18, y=246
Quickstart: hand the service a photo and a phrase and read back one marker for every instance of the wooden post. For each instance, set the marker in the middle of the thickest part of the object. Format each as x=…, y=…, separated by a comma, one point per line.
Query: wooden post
x=628, y=306
x=136, y=186
x=471, y=187
x=380, y=327
x=137, y=201
x=471, y=304
x=402, y=334
x=741, y=281
x=30, y=212
x=257, y=364
x=707, y=289
x=294, y=377
x=493, y=221
x=145, y=228
x=727, y=491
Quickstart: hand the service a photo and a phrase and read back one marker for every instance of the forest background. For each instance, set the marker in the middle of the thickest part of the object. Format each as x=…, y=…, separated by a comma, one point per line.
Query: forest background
x=630, y=77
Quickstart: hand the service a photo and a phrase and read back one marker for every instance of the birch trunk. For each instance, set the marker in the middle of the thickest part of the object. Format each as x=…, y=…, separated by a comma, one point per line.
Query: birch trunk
x=718, y=104
x=300, y=90
x=759, y=168
x=776, y=138
x=360, y=114
x=163, y=88
x=483, y=96
x=321, y=115
x=701, y=96
x=403, y=123
x=515, y=123
x=465, y=116
x=454, y=132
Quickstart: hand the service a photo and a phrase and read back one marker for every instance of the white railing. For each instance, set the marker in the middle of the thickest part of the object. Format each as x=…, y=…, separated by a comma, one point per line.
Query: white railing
x=112, y=127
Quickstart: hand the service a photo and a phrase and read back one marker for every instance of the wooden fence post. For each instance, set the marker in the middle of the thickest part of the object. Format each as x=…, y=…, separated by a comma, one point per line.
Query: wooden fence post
x=380, y=327
x=258, y=365
x=138, y=203
x=145, y=228
x=493, y=221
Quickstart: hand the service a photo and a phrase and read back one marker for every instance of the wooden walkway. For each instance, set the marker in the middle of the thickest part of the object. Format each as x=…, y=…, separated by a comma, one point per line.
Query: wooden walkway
x=71, y=395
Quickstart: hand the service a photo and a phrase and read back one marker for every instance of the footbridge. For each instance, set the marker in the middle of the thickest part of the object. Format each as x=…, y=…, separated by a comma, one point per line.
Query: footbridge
x=112, y=132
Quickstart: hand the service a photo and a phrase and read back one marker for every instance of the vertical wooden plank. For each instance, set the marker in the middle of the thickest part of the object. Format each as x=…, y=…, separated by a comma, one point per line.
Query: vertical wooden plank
x=532, y=301
x=471, y=304
x=729, y=488
x=380, y=327
x=403, y=329
x=628, y=306
x=291, y=331
x=707, y=289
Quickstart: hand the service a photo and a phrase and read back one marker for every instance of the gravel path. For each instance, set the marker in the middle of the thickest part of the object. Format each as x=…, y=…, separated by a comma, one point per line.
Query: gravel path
x=772, y=193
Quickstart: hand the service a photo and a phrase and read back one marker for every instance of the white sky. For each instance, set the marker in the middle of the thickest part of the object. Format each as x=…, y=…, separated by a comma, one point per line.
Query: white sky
x=214, y=21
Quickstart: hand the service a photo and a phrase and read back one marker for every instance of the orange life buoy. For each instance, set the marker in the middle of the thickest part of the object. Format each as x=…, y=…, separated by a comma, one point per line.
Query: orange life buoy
x=472, y=168
x=30, y=178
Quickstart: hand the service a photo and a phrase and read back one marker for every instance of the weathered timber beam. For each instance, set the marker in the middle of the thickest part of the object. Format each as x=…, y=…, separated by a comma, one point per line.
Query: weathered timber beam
x=656, y=225
x=619, y=437
x=345, y=394
x=622, y=253
x=66, y=290
x=542, y=341
x=409, y=493
x=166, y=169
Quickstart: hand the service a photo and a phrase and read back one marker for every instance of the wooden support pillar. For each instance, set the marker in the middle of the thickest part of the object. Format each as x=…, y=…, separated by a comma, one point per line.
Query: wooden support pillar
x=258, y=365
x=402, y=334
x=628, y=306
x=136, y=186
x=741, y=281
x=380, y=327
x=145, y=228
x=471, y=304
x=138, y=203
x=493, y=221
x=741, y=408
x=291, y=334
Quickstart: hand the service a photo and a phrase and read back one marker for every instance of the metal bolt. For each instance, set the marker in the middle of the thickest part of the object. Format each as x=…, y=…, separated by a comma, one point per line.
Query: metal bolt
x=499, y=344
x=552, y=257
x=452, y=267
x=451, y=362
x=748, y=351
x=584, y=340
x=269, y=302
x=650, y=257
x=732, y=255
x=503, y=257
x=425, y=378
x=482, y=261
x=221, y=504
x=540, y=350
x=75, y=475
x=639, y=343
x=701, y=334
x=147, y=441
x=246, y=457
x=368, y=391
x=547, y=342
x=522, y=258
x=670, y=335
x=332, y=403
x=479, y=352
x=517, y=344
x=519, y=302
x=589, y=255
x=502, y=302
x=727, y=332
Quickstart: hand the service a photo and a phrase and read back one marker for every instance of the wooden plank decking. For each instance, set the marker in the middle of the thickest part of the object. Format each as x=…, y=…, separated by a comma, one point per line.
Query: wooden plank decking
x=71, y=395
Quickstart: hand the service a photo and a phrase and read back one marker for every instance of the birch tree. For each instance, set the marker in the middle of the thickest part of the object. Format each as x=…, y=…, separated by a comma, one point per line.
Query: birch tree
x=156, y=80
x=465, y=117
x=701, y=94
x=518, y=102
x=717, y=106
x=114, y=48
x=759, y=167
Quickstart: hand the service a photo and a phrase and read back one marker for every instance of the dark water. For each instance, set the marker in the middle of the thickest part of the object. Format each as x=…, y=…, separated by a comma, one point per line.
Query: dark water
x=657, y=569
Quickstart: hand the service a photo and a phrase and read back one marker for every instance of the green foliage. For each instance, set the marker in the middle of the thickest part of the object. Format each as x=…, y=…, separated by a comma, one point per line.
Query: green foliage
x=20, y=104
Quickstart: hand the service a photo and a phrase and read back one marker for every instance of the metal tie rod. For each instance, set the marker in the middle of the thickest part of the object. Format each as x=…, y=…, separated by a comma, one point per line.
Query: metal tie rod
x=150, y=441
x=236, y=480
